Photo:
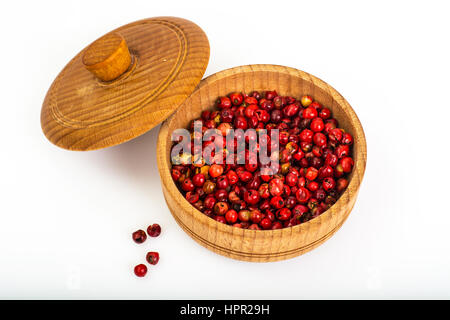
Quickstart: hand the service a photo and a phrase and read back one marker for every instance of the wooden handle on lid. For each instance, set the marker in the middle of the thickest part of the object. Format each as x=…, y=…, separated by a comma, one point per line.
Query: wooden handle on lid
x=108, y=57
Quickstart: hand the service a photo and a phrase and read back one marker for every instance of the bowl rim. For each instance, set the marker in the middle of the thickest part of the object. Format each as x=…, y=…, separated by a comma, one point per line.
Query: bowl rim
x=354, y=183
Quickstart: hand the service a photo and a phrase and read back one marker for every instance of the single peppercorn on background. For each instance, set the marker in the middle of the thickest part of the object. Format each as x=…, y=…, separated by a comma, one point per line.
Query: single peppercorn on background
x=67, y=217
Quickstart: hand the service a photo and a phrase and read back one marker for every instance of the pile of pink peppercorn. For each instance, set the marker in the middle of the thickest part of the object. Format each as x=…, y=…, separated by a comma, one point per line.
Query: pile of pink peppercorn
x=315, y=159
x=152, y=257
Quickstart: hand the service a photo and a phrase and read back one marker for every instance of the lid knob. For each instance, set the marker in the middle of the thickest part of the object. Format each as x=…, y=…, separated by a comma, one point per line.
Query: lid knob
x=108, y=57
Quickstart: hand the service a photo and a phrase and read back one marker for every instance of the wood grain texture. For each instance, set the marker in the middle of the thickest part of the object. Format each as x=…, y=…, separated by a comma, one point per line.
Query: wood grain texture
x=259, y=245
x=168, y=59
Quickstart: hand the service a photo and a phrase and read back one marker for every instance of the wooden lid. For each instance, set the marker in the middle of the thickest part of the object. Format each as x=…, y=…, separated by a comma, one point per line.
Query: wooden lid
x=125, y=83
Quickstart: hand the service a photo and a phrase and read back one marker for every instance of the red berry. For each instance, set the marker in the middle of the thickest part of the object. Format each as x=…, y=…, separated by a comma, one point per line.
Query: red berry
x=335, y=135
x=342, y=150
x=206, y=115
x=276, y=116
x=245, y=176
x=313, y=186
x=256, y=216
x=222, y=182
x=209, y=202
x=309, y=113
x=341, y=184
x=224, y=127
x=266, y=105
x=320, y=139
x=286, y=190
x=251, y=167
x=244, y=215
x=302, y=195
x=240, y=122
x=329, y=126
x=263, y=191
x=250, y=110
x=139, y=236
x=192, y=197
x=250, y=100
x=251, y=197
x=301, y=182
x=276, y=187
x=254, y=226
x=306, y=101
x=299, y=210
x=294, y=171
x=176, y=174
x=154, y=230
x=187, y=185
x=140, y=270
x=231, y=216
x=315, y=105
x=320, y=194
x=347, y=139
x=277, y=225
x=269, y=215
x=306, y=136
x=279, y=102
x=224, y=102
x=284, y=214
x=277, y=202
x=284, y=137
x=332, y=121
x=328, y=183
x=152, y=257
x=311, y=173
x=220, y=208
x=317, y=125
x=215, y=170
x=232, y=177
x=226, y=116
x=220, y=219
x=290, y=202
x=266, y=223
x=326, y=171
x=198, y=180
x=270, y=95
x=331, y=160
x=291, y=110
x=291, y=179
x=254, y=183
x=339, y=171
x=262, y=115
x=221, y=194
x=298, y=155
x=325, y=113
x=317, y=151
x=265, y=177
x=292, y=147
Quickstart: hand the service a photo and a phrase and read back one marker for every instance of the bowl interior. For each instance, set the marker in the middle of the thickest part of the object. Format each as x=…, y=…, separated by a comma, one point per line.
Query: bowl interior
x=286, y=81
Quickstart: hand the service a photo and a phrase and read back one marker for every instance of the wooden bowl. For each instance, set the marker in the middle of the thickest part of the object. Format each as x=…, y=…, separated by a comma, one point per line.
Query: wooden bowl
x=260, y=245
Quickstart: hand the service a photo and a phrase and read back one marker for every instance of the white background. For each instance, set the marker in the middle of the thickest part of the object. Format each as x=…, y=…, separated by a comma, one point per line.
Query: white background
x=67, y=217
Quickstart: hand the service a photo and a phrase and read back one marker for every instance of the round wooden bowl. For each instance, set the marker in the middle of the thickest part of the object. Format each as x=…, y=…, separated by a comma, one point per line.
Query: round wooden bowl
x=260, y=245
